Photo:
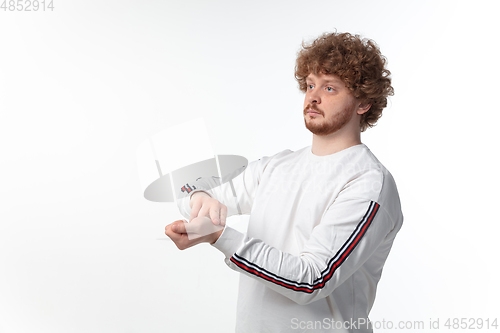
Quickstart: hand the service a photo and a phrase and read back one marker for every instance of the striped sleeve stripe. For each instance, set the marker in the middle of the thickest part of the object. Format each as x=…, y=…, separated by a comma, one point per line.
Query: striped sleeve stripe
x=333, y=264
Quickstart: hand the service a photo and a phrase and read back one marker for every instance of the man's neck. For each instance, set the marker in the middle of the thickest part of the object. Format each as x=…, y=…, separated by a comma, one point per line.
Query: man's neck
x=333, y=143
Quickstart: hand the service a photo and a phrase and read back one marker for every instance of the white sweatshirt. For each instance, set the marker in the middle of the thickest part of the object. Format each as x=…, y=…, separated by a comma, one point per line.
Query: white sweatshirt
x=320, y=231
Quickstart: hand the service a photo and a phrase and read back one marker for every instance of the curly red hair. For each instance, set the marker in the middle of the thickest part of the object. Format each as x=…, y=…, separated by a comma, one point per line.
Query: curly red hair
x=356, y=61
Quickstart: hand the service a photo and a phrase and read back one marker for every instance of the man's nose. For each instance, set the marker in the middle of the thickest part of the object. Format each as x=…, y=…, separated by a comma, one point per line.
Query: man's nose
x=314, y=98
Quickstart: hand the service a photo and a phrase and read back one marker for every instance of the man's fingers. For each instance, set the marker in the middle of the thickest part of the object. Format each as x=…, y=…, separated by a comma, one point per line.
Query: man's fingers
x=200, y=229
x=205, y=206
x=223, y=215
x=177, y=233
x=204, y=211
x=215, y=215
x=169, y=226
x=195, y=210
x=201, y=226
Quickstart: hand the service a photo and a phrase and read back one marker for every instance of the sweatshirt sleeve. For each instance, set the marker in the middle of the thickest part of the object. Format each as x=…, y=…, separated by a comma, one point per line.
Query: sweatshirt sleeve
x=348, y=235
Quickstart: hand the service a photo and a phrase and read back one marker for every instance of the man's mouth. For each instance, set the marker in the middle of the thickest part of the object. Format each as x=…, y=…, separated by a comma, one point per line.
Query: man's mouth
x=312, y=111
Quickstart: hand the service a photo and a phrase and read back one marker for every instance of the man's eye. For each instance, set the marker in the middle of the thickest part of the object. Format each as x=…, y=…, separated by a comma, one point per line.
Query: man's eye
x=329, y=89
x=310, y=86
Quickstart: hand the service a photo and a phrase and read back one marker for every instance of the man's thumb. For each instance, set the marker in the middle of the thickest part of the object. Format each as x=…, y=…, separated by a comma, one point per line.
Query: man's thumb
x=179, y=227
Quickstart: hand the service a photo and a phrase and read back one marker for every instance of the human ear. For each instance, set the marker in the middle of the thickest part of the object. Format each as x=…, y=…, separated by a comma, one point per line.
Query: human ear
x=363, y=108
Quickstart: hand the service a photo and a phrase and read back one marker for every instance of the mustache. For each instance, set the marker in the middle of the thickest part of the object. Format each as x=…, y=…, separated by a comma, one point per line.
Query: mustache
x=313, y=107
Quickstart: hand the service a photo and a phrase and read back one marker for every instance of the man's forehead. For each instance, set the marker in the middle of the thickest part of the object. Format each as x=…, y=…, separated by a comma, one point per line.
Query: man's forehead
x=324, y=77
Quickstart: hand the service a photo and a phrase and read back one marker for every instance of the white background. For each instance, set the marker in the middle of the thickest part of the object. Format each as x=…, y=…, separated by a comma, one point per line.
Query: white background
x=80, y=87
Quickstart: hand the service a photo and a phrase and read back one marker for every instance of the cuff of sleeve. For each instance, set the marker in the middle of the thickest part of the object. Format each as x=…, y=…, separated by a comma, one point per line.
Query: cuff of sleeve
x=196, y=191
x=229, y=241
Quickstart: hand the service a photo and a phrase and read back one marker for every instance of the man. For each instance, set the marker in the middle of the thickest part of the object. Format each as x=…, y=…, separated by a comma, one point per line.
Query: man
x=322, y=219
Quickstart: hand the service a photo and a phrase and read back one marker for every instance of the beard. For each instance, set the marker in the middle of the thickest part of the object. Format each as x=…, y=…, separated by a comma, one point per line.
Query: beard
x=328, y=126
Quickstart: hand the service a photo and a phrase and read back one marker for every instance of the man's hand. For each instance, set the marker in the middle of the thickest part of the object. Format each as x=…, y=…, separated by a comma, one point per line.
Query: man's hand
x=199, y=230
x=204, y=205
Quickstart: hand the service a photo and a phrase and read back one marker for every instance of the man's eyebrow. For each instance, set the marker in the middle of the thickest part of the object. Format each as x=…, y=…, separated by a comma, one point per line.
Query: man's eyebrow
x=333, y=81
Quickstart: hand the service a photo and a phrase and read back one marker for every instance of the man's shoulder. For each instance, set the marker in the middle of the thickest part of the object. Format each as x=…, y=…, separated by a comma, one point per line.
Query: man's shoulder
x=363, y=160
x=362, y=168
x=378, y=181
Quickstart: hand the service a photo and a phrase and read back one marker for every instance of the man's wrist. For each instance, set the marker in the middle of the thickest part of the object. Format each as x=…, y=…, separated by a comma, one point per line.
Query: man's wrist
x=216, y=236
x=229, y=241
